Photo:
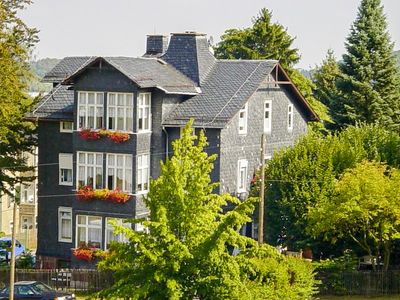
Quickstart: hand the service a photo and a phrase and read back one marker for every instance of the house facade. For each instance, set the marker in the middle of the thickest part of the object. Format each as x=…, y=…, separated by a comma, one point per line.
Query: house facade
x=109, y=121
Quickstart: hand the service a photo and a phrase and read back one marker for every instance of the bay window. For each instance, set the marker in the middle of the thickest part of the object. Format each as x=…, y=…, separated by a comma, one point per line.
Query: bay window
x=88, y=231
x=90, y=169
x=120, y=111
x=119, y=172
x=143, y=173
x=144, y=112
x=90, y=110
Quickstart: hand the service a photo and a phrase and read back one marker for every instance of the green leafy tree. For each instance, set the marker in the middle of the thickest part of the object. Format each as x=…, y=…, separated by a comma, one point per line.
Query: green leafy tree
x=370, y=84
x=365, y=207
x=325, y=78
x=187, y=250
x=267, y=40
x=300, y=177
x=16, y=134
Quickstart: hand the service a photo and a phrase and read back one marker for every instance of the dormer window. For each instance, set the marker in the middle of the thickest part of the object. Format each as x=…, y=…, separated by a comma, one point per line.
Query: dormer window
x=144, y=112
x=120, y=111
x=243, y=120
x=90, y=110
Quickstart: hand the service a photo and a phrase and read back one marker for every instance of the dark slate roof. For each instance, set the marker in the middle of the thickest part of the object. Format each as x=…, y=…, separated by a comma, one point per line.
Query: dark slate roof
x=227, y=88
x=58, y=104
x=66, y=67
x=189, y=53
x=147, y=72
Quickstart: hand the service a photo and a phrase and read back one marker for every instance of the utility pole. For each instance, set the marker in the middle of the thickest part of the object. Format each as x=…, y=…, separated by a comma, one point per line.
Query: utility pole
x=261, y=204
x=12, y=267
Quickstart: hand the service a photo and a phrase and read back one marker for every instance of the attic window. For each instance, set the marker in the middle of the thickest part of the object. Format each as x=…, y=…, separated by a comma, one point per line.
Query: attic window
x=243, y=120
x=290, y=117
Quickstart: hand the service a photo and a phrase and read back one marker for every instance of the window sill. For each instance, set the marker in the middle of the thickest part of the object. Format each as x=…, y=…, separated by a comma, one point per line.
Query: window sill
x=65, y=241
x=66, y=183
x=143, y=131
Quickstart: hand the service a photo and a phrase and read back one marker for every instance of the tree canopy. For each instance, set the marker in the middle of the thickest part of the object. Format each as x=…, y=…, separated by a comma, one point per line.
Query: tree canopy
x=192, y=248
x=16, y=134
x=365, y=207
x=300, y=177
x=370, y=80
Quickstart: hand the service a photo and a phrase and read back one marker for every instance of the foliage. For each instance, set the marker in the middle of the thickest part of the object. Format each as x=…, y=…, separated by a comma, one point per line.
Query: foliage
x=325, y=78
x=370, y=81
x=300, y=177
x=184, y=253
x=267, y=40
x=87, y=193
x=25, y=261
x=16, y=134
x=365, y=206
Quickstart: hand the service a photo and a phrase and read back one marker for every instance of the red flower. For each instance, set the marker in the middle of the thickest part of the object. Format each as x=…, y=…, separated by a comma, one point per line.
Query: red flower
x=118, y=137
x=115, y=136
x=87, y=193
x=84, y=253
x=89, y=134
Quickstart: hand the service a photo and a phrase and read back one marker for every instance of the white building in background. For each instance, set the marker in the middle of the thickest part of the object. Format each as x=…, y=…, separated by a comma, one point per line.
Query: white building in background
x=26, y=212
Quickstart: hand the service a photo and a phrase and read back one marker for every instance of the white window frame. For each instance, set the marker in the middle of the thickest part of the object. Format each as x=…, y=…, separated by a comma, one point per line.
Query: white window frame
x=243, y=120
x=65, y=162
x=127, y=110
x=85, y=165
x=141, y=109
x=290, y=117
x=120, y=237
x=83, y=103
x=88, y=227
x=62, y=209
x=242, y=182
x=268, y=121
x=144, y=171
x=64, y=130
x=125, y=168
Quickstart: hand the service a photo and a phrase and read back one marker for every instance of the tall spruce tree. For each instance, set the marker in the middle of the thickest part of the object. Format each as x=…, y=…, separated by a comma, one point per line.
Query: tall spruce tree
x=370, y=84
x=16, y=134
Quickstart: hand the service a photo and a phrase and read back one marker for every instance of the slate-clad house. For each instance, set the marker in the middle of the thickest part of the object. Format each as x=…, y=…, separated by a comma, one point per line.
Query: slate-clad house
x=150, y=98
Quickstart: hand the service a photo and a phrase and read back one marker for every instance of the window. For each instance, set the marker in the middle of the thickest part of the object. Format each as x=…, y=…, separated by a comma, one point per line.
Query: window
x=267, y=116
x=120, y=111
x=143, y=174
x=90, y=110
x=65, y=224
x=144, y=113
x=242, y=176
x=119, y=172
x=243, y=120
x=28, y=192
x=88, y=231
x=290, y=117
x=111, y=236
x=66, y=127
x=90, y=169
x=65, y=168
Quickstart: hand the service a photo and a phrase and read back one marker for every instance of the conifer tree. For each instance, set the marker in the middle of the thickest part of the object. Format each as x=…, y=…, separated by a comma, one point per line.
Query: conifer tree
x=371, y=81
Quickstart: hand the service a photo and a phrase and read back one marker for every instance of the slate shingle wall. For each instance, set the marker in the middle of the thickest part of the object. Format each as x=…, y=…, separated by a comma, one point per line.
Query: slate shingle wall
x=235, y=146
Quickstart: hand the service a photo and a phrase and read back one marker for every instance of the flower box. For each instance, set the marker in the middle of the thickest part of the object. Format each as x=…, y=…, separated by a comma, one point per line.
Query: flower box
x=87, y=193
x=115, y=136
x=85, y=253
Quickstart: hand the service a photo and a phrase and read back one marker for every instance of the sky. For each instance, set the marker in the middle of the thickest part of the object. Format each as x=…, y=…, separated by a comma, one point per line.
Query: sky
x=119, y=27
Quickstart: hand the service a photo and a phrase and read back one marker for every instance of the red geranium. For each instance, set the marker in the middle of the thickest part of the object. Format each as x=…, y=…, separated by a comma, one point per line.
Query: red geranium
x=87, y=193
x=89, y=134
x=115, y=136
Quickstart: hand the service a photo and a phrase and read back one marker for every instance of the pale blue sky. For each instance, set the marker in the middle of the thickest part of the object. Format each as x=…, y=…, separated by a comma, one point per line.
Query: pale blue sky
x=119, y=27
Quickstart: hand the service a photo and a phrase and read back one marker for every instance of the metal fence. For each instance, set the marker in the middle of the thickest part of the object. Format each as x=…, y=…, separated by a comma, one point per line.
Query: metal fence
x=65, y=279
x=365, y=283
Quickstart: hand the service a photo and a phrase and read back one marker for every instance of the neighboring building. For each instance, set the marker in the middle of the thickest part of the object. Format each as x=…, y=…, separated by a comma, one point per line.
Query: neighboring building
x=151, y=98
x=26, y=212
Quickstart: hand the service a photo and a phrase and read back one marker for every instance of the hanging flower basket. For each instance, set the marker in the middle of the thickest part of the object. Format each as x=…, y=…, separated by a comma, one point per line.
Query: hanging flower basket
x=115, y=136
x=87, y=193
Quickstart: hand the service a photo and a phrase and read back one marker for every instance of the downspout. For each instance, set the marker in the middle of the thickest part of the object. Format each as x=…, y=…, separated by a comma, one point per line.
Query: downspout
x=166, y=142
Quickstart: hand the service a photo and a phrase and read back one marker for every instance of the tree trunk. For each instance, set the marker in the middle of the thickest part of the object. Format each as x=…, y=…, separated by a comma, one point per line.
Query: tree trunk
x=386, y=246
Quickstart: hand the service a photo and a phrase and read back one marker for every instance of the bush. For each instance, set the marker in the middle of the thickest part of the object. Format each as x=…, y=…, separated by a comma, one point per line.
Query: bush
x=25, y=261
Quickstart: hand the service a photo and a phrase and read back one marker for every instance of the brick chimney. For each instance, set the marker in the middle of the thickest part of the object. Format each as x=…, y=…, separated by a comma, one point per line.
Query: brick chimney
x=156, y=44
x=189, y=53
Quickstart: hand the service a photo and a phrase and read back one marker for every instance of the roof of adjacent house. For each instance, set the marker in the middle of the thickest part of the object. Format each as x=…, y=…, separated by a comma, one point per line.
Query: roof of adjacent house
x=146, y=73
x=66, y=67
x=58, y=104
